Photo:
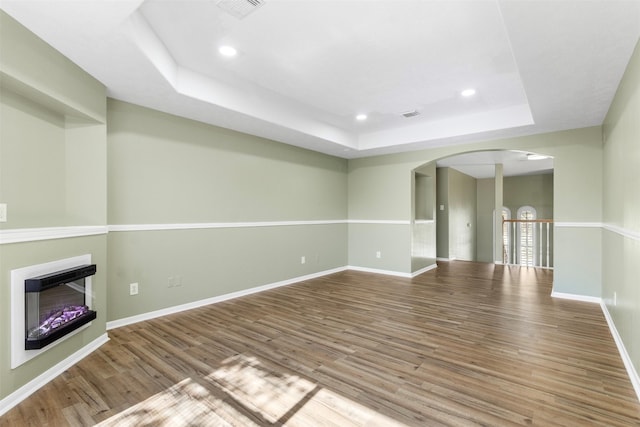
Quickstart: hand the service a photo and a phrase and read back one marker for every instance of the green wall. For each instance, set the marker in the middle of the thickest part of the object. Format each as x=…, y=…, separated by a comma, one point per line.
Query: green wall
x=456, y=238
x=423, y=241
x=462, y=216
x=241, y=211
x=442, y=215
x=52, y=174
x=379, y=189
x=484, y=220
x=621, y=209
x=531, y=190
x=168, y=170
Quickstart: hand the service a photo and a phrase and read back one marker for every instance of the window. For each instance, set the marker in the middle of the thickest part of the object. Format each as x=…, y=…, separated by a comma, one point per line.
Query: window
x=526, y=236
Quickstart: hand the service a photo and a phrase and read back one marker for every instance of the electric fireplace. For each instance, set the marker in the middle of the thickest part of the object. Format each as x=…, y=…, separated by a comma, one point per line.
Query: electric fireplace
x=55, y=305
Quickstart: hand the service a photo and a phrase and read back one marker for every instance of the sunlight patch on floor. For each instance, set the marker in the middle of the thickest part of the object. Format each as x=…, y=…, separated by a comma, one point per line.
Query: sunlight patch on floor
x=244, y=385
x=289, y=399
x=185, y=404
x=263, y=391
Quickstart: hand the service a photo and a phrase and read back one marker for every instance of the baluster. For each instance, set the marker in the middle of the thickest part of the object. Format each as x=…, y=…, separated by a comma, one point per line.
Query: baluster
x=540, y=244
x=513, y=242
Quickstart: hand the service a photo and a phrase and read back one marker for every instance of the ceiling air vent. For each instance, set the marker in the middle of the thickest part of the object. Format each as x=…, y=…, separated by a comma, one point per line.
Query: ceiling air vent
x=239, y=8
x=411, y=113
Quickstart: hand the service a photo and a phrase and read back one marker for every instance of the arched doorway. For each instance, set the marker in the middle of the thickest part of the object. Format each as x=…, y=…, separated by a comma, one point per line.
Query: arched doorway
x=468, y=188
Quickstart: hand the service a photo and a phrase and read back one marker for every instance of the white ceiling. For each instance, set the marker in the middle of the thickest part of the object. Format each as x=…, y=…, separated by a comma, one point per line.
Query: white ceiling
x=305, y=68
x=481, y=164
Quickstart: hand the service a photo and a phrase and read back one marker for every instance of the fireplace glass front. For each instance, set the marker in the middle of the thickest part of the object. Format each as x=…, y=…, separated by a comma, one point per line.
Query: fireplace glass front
x=55, y=305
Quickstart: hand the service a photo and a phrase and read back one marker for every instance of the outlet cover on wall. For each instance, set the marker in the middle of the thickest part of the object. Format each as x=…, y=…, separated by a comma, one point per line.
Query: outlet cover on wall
x=378, y=254
x=303, y=260
x=133, y=289
x=3, y=212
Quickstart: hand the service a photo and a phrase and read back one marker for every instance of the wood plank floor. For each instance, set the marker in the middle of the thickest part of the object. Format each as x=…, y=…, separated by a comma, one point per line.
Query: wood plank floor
x=466, y=344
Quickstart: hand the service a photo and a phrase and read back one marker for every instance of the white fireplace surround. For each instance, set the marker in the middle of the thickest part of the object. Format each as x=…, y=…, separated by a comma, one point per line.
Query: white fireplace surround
x=19, y=355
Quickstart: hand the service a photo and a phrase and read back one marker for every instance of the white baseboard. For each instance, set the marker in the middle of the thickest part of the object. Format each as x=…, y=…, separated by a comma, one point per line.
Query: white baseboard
x=32, y=386
x=378, y=271
x=583, y=298
x=195, y=304
x=424, y=270
x=628, y=364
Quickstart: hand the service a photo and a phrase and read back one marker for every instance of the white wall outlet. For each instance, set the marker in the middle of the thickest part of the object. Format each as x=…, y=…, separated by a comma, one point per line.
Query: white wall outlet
x=3, y=212
x=303, y=260
x=441, y=207
x=378, y=254
x=133, y=289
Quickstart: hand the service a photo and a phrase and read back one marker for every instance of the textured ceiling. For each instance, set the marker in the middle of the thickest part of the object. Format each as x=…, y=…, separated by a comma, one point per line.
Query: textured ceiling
x=305, y=68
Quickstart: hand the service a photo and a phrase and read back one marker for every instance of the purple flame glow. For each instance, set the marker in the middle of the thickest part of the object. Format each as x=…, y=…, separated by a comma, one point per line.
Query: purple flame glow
x=57, y=319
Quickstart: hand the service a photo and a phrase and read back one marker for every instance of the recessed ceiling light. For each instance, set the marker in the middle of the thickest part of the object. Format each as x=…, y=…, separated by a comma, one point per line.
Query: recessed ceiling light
x=361, y=117
x=228, y=51
x=468, y=92
x=532, y=156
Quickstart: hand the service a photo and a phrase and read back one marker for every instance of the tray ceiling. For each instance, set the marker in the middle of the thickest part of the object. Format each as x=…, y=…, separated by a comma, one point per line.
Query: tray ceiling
x=304, y=69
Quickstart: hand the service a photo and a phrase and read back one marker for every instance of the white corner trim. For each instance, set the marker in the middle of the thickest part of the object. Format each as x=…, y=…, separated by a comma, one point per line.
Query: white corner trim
x=208, y=225
x=378, y=271
x=32, y=386
x=424, y=270
x=19, y=235
x=195, y=304
x=635, y=235
x=575, y=297
x=628, y=364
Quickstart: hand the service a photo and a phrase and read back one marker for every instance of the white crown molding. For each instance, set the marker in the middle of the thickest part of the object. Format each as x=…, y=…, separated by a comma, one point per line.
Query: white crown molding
x=20, y=235
x=425, y=221
x=34, y=385
x=379, y=221
x=635, y=235
x=631, y=234
x=565, y=224
x=207, y=225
